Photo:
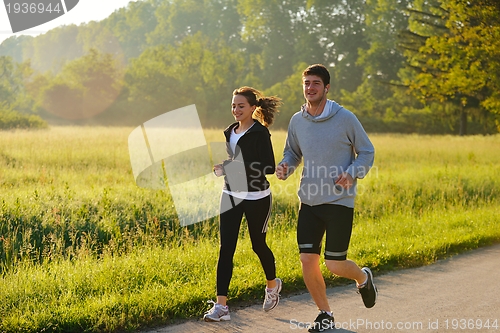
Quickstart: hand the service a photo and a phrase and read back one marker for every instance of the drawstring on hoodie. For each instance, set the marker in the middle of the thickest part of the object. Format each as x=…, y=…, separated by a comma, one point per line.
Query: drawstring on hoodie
x=330, y=109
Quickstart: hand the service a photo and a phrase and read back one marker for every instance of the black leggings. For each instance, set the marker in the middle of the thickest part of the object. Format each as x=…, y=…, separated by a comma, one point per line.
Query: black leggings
x=257, y=213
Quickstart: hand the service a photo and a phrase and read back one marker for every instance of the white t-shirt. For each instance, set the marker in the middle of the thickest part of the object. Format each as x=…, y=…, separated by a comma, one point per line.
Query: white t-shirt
x=233, y=139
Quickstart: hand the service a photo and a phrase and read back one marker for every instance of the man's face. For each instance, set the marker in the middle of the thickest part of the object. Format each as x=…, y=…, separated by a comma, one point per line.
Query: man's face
x=313, y=88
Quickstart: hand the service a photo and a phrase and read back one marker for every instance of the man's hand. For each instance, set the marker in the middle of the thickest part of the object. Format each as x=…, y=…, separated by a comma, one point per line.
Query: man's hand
x=345, y=181
x=282, y=171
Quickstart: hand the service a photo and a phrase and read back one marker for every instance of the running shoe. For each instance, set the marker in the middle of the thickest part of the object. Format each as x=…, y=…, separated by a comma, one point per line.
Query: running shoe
x=217, y=313
x=272, y=296
x=368, y=291
x=322, y=322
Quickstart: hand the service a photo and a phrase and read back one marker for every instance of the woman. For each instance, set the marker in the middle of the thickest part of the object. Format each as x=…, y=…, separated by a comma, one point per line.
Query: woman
x=246, y=191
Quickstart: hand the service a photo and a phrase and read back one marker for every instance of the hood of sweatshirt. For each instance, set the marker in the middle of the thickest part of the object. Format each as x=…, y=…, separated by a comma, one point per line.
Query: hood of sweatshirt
x=331, y=108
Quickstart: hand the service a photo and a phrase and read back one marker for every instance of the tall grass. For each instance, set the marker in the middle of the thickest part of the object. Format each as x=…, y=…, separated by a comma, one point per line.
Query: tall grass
x=82, y=248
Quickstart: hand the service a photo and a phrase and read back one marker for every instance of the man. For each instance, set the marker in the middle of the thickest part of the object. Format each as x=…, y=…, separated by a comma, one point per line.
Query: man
x=336, y=152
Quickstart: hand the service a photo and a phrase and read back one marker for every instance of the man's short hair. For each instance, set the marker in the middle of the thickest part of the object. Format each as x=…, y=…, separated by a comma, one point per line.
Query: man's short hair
x=318, y=70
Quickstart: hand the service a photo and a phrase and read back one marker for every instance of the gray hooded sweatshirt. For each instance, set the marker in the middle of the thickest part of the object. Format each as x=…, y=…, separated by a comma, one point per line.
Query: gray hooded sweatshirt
x=330, y=144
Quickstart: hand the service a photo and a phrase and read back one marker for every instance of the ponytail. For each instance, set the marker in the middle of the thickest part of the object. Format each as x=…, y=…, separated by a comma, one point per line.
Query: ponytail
x=267, y=107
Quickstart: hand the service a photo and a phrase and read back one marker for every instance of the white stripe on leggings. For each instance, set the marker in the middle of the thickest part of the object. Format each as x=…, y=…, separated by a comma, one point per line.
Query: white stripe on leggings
x=264, y=228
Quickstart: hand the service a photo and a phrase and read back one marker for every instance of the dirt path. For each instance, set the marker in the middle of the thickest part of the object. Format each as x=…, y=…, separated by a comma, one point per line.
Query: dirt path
x=459, y=294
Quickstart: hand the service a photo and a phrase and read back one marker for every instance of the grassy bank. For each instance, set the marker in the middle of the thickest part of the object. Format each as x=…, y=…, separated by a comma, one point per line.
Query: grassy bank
x=83, y=249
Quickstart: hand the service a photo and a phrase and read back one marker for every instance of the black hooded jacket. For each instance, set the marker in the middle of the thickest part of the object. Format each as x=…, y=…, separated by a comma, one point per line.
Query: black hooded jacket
x=257, y=156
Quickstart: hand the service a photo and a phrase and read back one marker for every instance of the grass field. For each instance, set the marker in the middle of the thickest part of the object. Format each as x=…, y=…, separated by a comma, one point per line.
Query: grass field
x=83, y=249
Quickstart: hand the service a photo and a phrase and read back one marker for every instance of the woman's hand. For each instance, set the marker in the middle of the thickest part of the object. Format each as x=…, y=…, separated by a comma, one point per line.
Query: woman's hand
x=218, y=170
x=282, y=171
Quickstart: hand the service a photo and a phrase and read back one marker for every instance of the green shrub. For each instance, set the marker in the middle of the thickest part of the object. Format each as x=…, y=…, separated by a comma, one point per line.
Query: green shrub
x=15, y=120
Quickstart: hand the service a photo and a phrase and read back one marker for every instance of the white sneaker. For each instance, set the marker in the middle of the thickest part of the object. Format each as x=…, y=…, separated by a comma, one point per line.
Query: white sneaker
x=272, y=297
x=217, y=313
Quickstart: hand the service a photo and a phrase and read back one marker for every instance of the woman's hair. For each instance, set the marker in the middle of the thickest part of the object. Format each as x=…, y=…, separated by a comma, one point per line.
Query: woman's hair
x=266, y=106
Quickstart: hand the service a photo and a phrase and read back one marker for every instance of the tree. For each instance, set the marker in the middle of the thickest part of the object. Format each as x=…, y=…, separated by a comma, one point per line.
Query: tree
x=290, y=91
x=218, y=20
x=16, y=105
x=195, y=71
x=130, y=26
x=13, y=47
x=458, y=59
x=84, y=88
x=7, y=81
x=342, y=33
x=285, y=33
x=53, y=49
x=13, y=92
x=380, y=99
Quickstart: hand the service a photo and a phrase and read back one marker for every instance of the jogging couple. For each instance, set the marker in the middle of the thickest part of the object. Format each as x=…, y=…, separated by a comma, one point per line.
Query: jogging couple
x=335, y=151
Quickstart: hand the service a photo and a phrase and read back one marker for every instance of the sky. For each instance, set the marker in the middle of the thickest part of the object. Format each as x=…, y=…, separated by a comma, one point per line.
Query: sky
x=84, y=11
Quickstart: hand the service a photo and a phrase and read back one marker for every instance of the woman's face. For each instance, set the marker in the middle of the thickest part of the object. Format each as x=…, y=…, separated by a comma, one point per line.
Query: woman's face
x=242, y=111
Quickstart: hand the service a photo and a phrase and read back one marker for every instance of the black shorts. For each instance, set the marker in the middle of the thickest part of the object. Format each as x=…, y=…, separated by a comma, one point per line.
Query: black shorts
x=336, y=220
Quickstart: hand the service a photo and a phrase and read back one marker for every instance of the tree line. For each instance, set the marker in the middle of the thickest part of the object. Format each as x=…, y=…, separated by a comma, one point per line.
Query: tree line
x=424, y=66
